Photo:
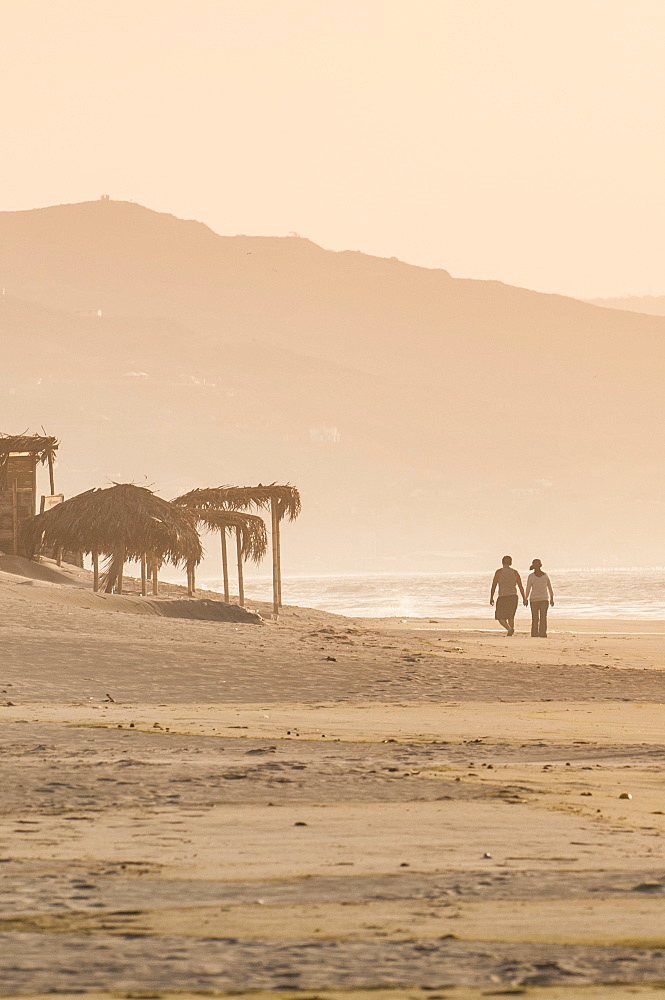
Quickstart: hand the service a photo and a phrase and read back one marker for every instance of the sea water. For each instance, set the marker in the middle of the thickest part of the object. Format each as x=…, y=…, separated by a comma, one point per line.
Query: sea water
x=580, y=593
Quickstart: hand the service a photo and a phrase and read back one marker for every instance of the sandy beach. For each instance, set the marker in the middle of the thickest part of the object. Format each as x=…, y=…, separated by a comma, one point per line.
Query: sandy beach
x=325, y=804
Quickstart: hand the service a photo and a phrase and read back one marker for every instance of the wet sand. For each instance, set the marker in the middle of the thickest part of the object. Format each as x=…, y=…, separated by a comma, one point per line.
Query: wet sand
x=324, y=804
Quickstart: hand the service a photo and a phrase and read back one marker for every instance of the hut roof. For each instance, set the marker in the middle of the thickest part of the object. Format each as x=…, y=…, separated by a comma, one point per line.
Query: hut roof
x=253, y=534
x=123, y=517
x=242, y=497
x=40, y=445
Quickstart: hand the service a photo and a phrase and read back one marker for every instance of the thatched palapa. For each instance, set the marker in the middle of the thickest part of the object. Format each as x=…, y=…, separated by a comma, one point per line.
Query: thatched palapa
x=286, y=499
x=282, y=501
x=41, y=446
x=251, y=540
x=252, y=529
x=124, y=522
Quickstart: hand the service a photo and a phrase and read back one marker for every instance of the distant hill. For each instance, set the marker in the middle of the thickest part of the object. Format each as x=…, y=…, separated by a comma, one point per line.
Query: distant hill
x=651, y=305
x=431, y=422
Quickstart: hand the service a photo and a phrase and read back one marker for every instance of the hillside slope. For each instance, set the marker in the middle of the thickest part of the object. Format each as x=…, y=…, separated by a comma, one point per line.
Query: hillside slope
x=651, y=305
x=430, y=421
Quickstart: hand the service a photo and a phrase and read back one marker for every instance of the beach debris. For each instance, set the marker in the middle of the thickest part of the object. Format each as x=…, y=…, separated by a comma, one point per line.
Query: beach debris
x=625, y=795
x=109, y=698
x=589, y=794
x=487, y=855
x=404, y=864
x=300, y=823
x=333, y=659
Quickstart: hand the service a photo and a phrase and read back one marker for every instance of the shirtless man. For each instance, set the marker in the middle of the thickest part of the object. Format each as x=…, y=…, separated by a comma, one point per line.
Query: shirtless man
x=507, y=580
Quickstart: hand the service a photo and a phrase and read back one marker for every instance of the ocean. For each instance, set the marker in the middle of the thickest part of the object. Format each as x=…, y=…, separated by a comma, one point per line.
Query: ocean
x=580, y=593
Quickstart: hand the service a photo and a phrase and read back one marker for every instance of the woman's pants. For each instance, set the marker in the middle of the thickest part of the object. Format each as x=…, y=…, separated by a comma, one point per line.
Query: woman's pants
x=539, y=618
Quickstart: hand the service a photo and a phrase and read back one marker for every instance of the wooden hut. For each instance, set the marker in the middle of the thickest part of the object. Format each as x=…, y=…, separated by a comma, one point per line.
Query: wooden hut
x=20, y=454
x=281, y=501
x=122, y=522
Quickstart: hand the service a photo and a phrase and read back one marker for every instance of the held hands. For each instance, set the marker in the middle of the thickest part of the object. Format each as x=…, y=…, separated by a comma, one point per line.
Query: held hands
x=491, y=602
x=526, y=603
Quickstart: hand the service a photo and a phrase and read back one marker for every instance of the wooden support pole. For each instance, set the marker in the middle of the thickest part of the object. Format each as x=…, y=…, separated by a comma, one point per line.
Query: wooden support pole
x=225, y=566
x=34, y=485
x=278, y=546
x=275, y=556
x=95, y=570
x=50, y=472
x=155, y=577
x=144, y=575
x=241, y=582
x=190, y=580
x=15, y=514
x=121, y=570
x=58, y=557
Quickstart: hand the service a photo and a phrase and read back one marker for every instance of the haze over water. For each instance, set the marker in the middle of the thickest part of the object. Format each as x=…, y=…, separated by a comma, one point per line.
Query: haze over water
x=637, y=593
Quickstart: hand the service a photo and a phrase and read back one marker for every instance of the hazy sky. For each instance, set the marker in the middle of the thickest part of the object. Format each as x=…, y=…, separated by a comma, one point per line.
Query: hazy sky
x=522, y=140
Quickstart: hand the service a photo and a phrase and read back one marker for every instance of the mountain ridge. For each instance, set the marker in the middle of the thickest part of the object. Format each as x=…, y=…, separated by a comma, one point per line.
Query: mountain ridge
x=411, y=406
x=648, y=305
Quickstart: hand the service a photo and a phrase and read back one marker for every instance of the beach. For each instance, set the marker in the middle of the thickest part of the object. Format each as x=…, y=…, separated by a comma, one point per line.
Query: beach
x=325, y=805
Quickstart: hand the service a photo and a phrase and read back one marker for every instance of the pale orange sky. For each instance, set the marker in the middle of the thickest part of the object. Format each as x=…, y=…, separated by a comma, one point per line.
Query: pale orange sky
x=522, y=140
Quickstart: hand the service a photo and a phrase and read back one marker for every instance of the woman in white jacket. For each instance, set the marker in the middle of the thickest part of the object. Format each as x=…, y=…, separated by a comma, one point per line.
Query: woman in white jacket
x=539, y=594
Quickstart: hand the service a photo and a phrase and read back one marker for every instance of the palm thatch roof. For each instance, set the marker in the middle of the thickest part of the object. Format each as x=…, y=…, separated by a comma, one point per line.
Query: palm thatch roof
x=252, y=529
x=123, y=519
x=243, y=497
x=40, y=445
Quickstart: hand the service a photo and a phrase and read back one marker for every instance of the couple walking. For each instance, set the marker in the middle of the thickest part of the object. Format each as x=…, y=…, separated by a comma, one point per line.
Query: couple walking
x=538, y=593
